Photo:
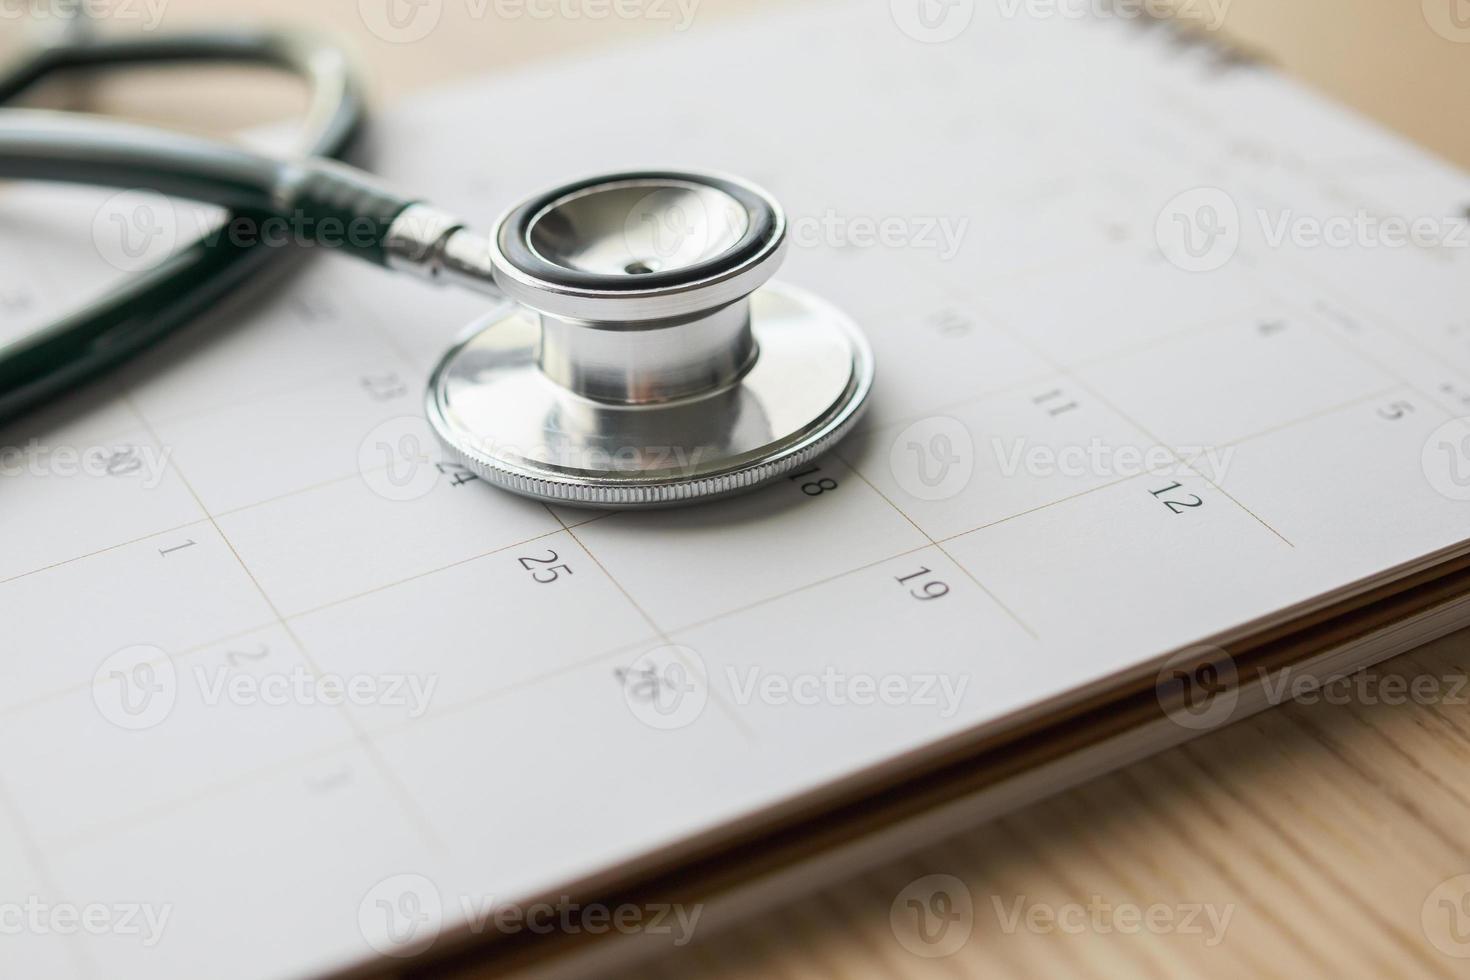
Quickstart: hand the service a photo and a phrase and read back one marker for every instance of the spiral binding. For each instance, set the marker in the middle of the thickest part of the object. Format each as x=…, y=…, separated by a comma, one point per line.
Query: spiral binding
x=1221, y=56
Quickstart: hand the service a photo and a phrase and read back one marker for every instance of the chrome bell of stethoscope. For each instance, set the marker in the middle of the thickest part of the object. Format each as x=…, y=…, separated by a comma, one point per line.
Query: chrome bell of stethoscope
x=648, y=360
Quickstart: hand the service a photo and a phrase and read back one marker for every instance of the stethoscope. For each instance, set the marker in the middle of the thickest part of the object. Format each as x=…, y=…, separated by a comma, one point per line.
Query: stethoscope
x=638, y=354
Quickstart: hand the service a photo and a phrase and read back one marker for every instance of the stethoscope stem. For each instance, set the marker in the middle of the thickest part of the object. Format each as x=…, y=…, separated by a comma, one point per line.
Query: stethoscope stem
x=435, y=246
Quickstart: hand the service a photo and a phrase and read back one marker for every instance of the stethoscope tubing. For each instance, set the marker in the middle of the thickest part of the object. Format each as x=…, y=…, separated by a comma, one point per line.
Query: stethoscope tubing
x=153, y=304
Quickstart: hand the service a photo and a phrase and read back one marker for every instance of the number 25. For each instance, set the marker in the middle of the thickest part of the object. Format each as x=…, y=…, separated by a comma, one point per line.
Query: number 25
x=544, y=575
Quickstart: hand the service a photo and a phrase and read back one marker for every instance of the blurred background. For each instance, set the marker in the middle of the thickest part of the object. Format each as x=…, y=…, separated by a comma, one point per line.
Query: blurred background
x=1405, y=63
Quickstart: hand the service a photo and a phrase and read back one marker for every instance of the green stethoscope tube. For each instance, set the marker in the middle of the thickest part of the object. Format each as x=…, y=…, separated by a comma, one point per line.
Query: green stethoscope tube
x=38, y=145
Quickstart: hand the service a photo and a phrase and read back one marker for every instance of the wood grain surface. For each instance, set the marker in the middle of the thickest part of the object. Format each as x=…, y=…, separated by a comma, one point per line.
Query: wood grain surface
x=1317, y=839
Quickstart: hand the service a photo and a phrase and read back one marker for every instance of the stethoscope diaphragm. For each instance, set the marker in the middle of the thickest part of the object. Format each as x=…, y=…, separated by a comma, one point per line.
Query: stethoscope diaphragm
x=650, y=360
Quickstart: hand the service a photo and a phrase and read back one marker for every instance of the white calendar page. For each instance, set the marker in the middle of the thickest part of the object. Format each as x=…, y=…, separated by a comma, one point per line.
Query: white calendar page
x=1117, y=413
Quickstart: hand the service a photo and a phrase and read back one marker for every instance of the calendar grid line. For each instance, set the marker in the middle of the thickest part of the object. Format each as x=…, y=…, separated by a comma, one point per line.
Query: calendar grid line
x=1004, y=607
x=658, y=632
x=68, y=844
x=825, y=580
x=1020, y=274
x=1053, y=503
x=1342, y=191
x=587, y=520
x=41, y=867
x=299, y=491
x=391, y=779
x=202, y=413
x=410, y=806
x=1201, y=474
x=1163, y=467
x=1405, y=336
x=480, y=699
x=323, y=750
x=58, y=694
x=1055, y=368
x=1171, y=337
x=551, y=512
x=637, y=606
x=499, y=549
x=870, y=425
x=409, y=803
x=107, y=435
x=714, y=695
x=238, y=306
x=112, y=547
x=1092, y=389
x=207, y=517
x=1398, y=385
x=389, y=339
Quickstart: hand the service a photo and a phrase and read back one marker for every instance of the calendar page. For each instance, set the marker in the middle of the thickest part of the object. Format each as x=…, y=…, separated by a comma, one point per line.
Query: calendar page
x=1167, y=346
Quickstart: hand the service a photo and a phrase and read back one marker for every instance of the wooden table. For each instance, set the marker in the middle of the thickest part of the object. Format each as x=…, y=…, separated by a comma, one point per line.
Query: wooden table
x=1322, y=831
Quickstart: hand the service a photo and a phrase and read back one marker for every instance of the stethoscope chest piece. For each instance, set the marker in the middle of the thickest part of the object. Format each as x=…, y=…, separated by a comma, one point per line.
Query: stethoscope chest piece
x=649, y=361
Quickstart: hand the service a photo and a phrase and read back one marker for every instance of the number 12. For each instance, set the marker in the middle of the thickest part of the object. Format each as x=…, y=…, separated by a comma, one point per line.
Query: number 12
x=1177, y=506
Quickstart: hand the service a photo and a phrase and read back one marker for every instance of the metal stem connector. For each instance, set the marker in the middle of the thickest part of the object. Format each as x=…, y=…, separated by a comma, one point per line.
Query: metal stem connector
x=436, y=246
